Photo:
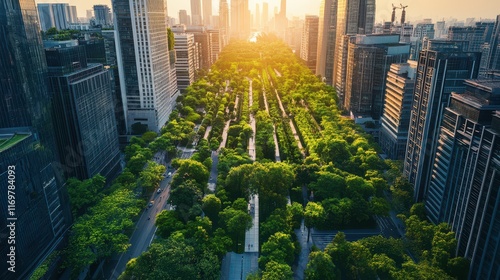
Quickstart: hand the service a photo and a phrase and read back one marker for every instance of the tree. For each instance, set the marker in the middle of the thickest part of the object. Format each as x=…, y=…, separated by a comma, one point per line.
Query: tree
x=211, y=206
x=383, y=266
x=320, y=267
x=277, y=271
x=297, y=212
x=328, y=185
x=83, y=195
x=418, y=209
x=379, y=206
x=184, y=198
x=149, y=136
x=236, y=222
x=278, y=248
x=167, y=223
x=189, y=169
x=151, y=176
x=313, y=215
x=279, y=221
x=171, y=39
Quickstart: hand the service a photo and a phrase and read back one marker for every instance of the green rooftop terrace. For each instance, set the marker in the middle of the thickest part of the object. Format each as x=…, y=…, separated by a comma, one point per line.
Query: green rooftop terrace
x=8, y=142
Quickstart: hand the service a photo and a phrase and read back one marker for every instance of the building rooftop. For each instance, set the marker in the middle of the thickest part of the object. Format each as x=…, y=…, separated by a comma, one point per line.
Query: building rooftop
x=9, y=140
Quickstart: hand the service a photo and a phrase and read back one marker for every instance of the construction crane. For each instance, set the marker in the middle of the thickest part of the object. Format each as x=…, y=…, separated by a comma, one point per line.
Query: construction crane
x=393, y=17
x=403, y=14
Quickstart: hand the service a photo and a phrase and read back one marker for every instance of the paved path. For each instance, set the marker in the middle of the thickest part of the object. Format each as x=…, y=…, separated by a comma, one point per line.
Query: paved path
x=303, y=258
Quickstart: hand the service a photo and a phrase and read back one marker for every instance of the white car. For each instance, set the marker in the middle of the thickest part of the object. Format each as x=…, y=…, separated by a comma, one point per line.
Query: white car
x=158, y=191
x=169, y=174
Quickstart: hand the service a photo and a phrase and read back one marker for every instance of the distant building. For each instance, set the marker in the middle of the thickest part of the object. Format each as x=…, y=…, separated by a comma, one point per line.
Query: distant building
x=102, y=15
x=202, y=37
x=28, y=146
x=196, y=12
x=56, y=15
x=474, y=35
x=368, y=61
x=326, y=40
x=207, y=12
x=442, y=68
x=240, y=19
x=421, y=33
x=215, y=44
x=309, y=44
x=395, y=119
x=494, y=57
x=185, y=59
x=464, y=186
x=224, y=22
x=353, y=17
x=184, y=18
x=265, y=16
x=149, y=83
x=84, y=115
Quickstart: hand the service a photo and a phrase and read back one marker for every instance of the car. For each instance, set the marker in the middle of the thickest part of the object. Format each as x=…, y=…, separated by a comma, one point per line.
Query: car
x=158, y=191
x=151, y=203
x=169, y=174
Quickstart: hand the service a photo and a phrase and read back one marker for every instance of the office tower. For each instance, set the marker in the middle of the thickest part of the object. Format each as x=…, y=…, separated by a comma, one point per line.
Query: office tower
x=240, y=19
x=442, y=68
x=84, y=117
x=149, y=89
x=184, y=18
x=369, y=59
x=281, y=20
x=395, y=119
x=90, y=14
x=102, y=15
x=207, y=12
x=440, y=32
x=353, y=17
x=309, y=45
x=464, y=187
x=61, y=17
x=215, y=44
x=326, y=39
x=185, y=62
x=224, y=22
x=196, y=13
x=27, y=142
x=494, y=57
x=73, y=16
x=421, y=33
x=202, y=37
x=46, y=15
x=257, y=17
x=474, y=35
x=265, y=16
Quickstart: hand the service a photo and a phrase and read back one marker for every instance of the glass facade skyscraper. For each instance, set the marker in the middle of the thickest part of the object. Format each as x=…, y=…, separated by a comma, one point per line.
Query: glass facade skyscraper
x=27, y=142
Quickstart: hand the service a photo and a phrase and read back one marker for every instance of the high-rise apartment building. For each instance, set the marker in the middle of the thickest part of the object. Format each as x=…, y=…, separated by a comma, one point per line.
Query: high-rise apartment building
x=202, y=37
x=215, y=44
x=196, y=12
x=442, y=68
x=326, y=39
x=207, y=12
x=102, y=15
x=27, y=146
x=149, y=89
x=185, y=59
x=309, y=44
x=368, y=61
x=240, y=19
x=84, y=116
x=465, y=178
x=353, y=17
x=395, y=118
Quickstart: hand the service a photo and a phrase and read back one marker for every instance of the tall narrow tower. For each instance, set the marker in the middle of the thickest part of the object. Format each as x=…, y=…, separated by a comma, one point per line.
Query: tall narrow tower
x=224, y=21
x=196, y=18
x=257, y=17
x=207, y=12
x=149, y=90
x=265, y=15
x=326, y=39
x=240, y=19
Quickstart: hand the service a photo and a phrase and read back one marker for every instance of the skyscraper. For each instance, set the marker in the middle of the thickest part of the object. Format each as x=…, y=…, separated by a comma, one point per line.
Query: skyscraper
x=421, y=33
x=463, y=190
x=184, y=18
x=257, y=17
x=369, y=59
x=207, y=12
x=240, y=19
x=149, y=89
x=224, y=21
x=326, y=39
x=265, y=16
x=56, y=15
x=442, y=68
x=494, y=58
x=85, y=123
x=27, y=146
x=196, y=13
x=46, y=15
x=309, y=44
x=395, y=119
x=102, y=15
x=185, y=62
x=353, y=17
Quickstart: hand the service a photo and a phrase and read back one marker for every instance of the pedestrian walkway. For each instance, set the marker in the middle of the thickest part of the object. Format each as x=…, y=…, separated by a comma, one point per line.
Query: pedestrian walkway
x=252, y=235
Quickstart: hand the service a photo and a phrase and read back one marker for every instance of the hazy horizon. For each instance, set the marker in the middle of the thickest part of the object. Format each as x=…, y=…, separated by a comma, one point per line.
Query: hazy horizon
x=482, y=9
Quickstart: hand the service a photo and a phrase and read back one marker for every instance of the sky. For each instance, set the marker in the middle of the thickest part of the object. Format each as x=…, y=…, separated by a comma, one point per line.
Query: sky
x=417, y=9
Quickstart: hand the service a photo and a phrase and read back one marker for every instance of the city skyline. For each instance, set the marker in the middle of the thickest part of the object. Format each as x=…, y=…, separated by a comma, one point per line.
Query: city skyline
x=483, y=9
